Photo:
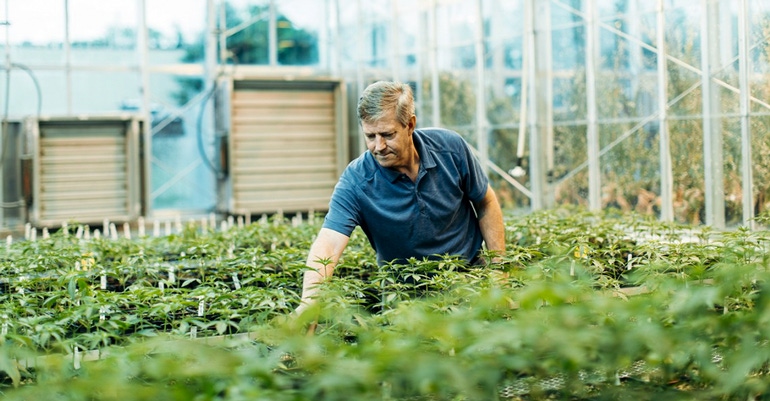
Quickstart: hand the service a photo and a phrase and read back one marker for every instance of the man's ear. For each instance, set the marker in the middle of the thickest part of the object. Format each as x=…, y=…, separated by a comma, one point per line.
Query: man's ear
x=412, y=123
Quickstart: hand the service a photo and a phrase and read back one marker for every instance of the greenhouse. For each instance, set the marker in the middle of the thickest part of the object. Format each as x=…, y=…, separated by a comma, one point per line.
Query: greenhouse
x=168, y=167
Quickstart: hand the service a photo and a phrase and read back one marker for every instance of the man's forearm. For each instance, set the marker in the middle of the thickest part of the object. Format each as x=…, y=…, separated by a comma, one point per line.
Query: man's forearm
x=491, y=223
x=322, y=258
x=493, y=231
x=312, y=278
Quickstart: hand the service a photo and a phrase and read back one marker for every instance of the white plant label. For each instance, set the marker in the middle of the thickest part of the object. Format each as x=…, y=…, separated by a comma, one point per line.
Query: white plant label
x=76, y=358
x=103, y=284
x=236, y=282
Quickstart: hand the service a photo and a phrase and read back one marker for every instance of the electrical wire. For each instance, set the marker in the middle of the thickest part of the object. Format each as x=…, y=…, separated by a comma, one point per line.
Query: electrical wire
x=6, y=136
x=199, y=122
x=199, y=133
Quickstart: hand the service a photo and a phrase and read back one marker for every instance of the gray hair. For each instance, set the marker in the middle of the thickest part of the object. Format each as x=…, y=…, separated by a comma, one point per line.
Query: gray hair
x=383, y=96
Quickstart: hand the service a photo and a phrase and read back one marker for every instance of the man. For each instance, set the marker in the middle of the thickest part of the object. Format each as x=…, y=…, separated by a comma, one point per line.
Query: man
x=415, y=193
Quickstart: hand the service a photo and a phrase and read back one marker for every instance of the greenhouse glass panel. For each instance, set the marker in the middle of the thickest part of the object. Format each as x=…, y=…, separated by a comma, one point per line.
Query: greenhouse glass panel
x=41, y=92
x=350, y=28
x=760, y=129
x=25, y=27
x=410, y=35
x=299, y=28
x=630, y=166
x=103, y=25
x=247, y=29
x=104, y=91
x=687, y=165
x=175, y=36
x=733, y=182
x=183, y=159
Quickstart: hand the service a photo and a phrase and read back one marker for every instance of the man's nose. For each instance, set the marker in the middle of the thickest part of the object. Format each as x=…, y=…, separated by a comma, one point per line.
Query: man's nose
x=379, y=143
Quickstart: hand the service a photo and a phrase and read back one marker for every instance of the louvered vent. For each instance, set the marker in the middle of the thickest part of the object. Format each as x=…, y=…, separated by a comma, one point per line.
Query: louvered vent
x=85, y=170
x=286, y=146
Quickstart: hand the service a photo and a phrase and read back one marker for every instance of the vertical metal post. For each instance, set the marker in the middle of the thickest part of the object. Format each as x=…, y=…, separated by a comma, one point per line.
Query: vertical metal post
x=67, y=56
x=222, y=31
x=272, y=35
x=210, y=51
x=714, y=190
x=210, y=68
x=481, y=95
x=395, y=46
x=538, y=34
x=666, y=175
x=496, y=47
x=747, y=180
x=360, y=67
x=435, y=81
x=144, y=107
x=592, y=131
x=324, y=61
x=337, y=41
x=420, y=54
x=4, y=134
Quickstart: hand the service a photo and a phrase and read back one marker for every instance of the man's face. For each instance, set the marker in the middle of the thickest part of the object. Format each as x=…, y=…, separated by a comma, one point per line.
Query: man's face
x=389, y=141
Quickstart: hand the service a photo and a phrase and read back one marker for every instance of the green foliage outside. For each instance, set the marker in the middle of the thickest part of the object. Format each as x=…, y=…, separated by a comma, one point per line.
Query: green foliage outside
x=596, y=306
x=249, y=46
x=629, y=172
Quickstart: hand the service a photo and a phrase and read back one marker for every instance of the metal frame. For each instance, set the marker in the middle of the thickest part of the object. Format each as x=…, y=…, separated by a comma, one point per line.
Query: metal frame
x=714, y=191
x=538, y=75
x=592, y=131
x=537, y=27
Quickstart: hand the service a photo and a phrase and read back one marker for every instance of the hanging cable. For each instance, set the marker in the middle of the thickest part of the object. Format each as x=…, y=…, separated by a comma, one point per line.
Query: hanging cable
x=199, y=133
x=5, y=125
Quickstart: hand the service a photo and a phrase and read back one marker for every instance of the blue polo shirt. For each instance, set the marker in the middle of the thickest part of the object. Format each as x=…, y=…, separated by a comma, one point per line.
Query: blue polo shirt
x=428, y=217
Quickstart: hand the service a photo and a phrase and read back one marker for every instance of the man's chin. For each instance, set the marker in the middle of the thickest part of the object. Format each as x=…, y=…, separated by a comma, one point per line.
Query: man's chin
x=385, y=161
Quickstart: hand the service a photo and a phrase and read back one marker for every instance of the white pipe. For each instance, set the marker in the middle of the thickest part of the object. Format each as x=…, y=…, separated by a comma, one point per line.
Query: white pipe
x=481, y=112
x=592, y=131
x=747, y=180
x=666, y=175
x=435, y=82
x=67, y=57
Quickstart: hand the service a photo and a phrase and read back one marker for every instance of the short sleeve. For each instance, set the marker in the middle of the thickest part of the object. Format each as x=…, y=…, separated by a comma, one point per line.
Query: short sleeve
x=475, y=181
x=344, y=212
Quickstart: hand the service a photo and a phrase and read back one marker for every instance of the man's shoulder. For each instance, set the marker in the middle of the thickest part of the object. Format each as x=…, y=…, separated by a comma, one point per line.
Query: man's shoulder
x=441, y=139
